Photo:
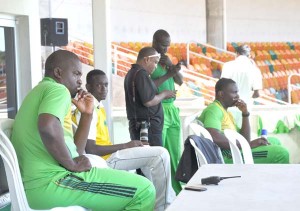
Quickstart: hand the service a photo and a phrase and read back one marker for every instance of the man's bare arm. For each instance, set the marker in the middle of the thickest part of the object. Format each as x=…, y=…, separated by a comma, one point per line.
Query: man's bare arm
x=85, y=104
x=159, y=97
x=52, y=136
x=219, y=138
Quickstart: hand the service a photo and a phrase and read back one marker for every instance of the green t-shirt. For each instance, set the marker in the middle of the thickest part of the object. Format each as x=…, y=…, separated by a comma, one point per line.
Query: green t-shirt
x=37, y=166
x=166, y=85
x=215, y=116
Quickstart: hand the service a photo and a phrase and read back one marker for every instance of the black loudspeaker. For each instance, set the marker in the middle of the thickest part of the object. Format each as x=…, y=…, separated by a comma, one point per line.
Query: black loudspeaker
x=54, y=31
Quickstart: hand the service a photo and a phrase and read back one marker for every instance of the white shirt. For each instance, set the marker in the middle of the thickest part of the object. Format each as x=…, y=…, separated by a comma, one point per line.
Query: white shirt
x=246, y=75
x=93, y=128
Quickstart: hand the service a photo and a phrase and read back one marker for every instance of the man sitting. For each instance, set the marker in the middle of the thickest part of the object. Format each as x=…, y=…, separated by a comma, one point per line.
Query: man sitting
x=54, y=170
x=216, y=119
x=153, y=161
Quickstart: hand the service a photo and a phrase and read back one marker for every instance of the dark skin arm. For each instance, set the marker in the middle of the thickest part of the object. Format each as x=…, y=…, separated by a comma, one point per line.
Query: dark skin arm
x=246, y=130
x=221, y=140
x=159, y=97
x=178, y=78
x=172, y=71
x=93, y=148
x=52, y=136
x=85, y=105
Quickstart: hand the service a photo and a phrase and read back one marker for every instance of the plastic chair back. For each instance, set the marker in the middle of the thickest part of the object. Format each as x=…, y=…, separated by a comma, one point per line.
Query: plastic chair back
x=11, y=165
x=201, y=160
x=234, y=136
x=199, y=130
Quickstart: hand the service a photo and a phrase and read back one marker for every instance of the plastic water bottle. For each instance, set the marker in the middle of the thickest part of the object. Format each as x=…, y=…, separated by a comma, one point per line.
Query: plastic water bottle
x=264, y=134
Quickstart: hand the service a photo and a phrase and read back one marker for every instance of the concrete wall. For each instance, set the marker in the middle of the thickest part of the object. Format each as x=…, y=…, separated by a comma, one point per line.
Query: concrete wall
x=134, y=20
x=263, y=20
x=137, y=20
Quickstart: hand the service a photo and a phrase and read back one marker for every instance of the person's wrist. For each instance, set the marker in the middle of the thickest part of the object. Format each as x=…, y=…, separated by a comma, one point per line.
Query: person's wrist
x=246, y=114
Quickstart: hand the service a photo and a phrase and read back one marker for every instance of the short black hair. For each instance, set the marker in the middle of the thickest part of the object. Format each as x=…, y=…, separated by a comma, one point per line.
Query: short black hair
x=59, y=58
x=159, y=34
x=223, y=83
x=146, y=51
x=92, y=73
x=243, y=50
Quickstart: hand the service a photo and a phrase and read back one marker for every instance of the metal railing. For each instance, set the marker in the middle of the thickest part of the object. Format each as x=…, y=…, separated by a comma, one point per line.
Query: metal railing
x=203, y=56
x=291, y=86
x=117, y=62
x=124, y=57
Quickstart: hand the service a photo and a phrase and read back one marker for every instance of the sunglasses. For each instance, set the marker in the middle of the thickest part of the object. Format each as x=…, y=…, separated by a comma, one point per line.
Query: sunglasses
x=154, y=55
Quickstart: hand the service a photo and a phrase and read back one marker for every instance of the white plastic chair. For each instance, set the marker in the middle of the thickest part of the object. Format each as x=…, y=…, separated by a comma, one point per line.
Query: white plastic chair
x=234, y=136
x=11, y=165
x=201, y=160
x=199, y=130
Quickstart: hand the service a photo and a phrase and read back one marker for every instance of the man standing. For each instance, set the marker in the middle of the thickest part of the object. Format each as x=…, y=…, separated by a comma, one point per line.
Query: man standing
x=143, y=103
x=216, y=119
x=172, y=124
x=54, y=170
x=153, y=161
x=247, y=76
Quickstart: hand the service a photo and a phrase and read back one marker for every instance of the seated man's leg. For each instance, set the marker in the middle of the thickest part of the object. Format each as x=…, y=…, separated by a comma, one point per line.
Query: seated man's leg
x=155, y=165
x=263, y=154
x=274, y=141
x=270, y=154
x=98, y=189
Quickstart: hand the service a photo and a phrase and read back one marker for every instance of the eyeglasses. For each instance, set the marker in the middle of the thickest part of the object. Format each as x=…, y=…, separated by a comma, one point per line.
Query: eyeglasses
x=154, y=55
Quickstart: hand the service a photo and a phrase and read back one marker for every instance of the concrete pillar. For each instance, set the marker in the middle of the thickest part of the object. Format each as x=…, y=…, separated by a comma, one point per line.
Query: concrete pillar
x=216, y=23
x=102, y=49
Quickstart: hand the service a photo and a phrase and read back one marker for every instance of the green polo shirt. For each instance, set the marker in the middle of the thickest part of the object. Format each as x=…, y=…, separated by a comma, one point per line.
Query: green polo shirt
x=166, y=85
x=215, y=116
x=37, y=166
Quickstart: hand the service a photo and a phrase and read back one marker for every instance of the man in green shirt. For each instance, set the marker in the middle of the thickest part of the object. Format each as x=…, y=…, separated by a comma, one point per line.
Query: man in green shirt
x=216, y=119
x=161, y=76
x=54, y=170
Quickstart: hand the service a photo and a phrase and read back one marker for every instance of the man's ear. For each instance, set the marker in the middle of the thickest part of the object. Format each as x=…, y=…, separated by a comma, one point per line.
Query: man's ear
x=57, y=72
x=220, y=94
x=146, y=59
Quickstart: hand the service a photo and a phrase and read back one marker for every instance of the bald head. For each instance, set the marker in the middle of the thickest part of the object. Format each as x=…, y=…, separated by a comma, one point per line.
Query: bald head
x=161, y=41
x=159, y=34
x=145, y=52
x=61, y=59
x=148, y=59
x=65, y=68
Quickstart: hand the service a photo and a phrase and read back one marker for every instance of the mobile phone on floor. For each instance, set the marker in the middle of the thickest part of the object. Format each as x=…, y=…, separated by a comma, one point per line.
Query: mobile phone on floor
x=195, y=188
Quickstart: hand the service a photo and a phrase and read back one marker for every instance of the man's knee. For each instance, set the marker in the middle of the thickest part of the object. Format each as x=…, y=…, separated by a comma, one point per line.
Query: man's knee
x=163, y=153
x=279, y=154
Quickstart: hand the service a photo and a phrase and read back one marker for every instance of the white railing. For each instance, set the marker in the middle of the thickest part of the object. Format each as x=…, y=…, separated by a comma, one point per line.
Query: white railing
x=267, y=100
x=203, y=56
x=130, y=55
x=216, y=48
x=291, y=86
x=116, y=60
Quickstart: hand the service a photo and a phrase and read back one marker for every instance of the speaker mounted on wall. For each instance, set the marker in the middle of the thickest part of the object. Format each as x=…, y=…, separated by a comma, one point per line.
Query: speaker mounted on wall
x=54, y=31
